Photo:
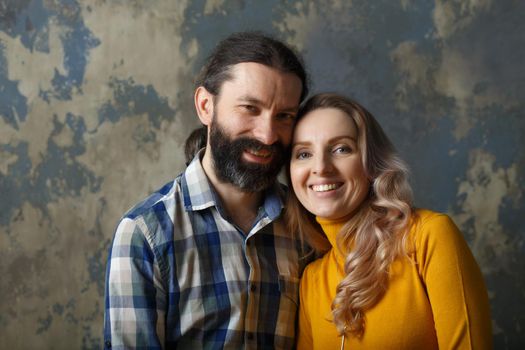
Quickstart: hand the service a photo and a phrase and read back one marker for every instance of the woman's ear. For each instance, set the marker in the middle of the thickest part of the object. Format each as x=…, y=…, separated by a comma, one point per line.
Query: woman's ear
x=204, y=105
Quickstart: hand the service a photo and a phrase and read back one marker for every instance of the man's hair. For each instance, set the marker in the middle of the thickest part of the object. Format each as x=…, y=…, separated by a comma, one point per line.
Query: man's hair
x=195, y=142
x=249, y=47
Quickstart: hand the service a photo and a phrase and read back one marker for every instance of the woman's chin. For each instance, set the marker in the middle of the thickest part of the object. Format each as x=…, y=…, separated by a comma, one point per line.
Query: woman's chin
x=327, y=214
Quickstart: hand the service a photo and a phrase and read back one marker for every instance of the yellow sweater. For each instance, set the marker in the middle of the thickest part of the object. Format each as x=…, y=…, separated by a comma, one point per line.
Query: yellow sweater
x=440, y=301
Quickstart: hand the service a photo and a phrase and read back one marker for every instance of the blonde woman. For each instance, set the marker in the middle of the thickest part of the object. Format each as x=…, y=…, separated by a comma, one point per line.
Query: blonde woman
x=391, y=277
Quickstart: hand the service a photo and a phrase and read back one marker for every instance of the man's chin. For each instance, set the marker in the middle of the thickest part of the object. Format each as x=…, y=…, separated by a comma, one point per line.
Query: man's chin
x=254, y=179
x=261, y=184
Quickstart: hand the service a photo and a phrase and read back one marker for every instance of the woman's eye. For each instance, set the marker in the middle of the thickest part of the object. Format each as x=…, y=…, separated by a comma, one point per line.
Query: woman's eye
x=302, y=155
x=342, y=149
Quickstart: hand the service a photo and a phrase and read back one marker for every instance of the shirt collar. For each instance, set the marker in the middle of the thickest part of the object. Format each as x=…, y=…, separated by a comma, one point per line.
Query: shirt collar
x=199, y=194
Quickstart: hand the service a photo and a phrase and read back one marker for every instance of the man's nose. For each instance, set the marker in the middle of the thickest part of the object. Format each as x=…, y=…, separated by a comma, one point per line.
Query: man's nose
x=265, y=130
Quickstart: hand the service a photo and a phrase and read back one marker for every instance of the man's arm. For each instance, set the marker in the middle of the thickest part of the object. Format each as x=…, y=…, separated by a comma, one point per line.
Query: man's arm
x=132, y=318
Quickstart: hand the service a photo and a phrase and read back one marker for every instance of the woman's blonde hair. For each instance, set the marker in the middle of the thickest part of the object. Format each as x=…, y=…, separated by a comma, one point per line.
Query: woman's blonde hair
x=377, y=234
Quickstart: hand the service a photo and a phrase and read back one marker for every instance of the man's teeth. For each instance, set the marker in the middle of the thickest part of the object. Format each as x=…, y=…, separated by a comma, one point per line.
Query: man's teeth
x=261, y=153
x=324, y=188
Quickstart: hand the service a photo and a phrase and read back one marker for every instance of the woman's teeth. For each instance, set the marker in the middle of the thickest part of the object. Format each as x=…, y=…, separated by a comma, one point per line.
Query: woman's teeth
x=324, y=188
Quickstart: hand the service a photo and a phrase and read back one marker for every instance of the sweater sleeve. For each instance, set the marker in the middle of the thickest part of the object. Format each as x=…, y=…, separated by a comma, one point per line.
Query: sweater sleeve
x=304, y=332
x=455, y=285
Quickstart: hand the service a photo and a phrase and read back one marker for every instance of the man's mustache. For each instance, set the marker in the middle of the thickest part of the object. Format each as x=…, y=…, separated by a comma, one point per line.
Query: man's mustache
x=255, y=145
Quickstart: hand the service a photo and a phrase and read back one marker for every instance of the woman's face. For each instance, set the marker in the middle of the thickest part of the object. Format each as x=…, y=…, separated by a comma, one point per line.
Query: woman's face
x=326, y=169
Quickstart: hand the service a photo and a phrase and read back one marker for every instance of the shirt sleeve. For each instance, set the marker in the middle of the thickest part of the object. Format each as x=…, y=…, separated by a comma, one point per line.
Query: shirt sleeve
x=132, y=318
x=455, y=286
x=304, y=329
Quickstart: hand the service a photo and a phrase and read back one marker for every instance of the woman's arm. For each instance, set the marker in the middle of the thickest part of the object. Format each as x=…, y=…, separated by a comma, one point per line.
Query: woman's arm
x=455, y=285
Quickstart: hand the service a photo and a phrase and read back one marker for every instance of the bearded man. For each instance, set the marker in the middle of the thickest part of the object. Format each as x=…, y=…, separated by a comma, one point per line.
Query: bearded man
x=206, y=261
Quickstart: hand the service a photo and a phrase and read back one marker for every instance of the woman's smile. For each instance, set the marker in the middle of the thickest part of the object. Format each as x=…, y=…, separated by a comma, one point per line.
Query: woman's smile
x=326, y=187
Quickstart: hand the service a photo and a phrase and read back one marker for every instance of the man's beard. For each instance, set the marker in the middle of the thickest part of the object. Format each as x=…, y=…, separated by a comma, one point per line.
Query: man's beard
x=231, y=168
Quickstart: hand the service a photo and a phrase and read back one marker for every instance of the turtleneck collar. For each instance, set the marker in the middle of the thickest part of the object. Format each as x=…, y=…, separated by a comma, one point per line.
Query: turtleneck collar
x=332, y=227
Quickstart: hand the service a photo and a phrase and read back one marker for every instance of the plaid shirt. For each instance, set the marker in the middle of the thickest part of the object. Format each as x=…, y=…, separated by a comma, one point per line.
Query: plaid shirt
x=180, y=274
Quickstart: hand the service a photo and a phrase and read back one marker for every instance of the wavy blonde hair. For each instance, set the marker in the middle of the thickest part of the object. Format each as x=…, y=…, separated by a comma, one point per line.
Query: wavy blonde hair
x=377, y=234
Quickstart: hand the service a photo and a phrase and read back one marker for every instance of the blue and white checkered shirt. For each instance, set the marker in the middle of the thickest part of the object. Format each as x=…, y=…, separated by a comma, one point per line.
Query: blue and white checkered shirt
x=181, y=275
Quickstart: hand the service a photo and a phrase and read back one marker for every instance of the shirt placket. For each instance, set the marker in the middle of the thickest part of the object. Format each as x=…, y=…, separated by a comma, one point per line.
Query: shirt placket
x=252, y=309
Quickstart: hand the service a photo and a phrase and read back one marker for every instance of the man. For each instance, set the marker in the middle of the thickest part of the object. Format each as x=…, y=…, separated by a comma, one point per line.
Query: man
x=206, y=262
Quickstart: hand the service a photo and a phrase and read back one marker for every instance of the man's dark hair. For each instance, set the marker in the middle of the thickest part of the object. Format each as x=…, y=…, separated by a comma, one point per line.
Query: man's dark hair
x=250, y=47
x=194, y=143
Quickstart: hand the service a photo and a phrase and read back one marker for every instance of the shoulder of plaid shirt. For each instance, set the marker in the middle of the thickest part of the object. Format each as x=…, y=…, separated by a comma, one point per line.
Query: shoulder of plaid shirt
x=181, y=275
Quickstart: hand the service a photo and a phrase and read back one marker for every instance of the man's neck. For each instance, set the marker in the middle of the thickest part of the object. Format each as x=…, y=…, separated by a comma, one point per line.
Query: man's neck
x=240, y=206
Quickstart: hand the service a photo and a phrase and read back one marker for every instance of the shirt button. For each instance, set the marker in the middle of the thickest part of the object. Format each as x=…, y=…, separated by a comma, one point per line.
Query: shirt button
x=253, y=287
x=108, y=344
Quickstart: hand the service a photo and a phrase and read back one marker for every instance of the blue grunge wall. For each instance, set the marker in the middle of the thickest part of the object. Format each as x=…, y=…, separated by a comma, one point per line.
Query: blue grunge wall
x=96, y=101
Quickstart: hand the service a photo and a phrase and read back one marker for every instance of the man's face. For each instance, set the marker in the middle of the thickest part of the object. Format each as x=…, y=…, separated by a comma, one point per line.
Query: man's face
x=252, y=125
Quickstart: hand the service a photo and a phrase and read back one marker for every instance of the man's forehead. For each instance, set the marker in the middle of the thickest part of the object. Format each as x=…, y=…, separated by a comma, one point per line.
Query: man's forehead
x=251, y=68
x=258, y=81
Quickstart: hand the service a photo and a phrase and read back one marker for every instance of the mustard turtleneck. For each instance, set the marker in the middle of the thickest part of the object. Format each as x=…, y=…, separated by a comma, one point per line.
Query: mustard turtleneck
x=438, y=300
x=331, y=229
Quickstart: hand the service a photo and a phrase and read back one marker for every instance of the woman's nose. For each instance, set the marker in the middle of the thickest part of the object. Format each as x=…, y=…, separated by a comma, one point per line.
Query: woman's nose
x=322, y=164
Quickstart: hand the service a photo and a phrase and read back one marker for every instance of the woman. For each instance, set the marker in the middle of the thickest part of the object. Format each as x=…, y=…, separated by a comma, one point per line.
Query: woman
x=391, y=277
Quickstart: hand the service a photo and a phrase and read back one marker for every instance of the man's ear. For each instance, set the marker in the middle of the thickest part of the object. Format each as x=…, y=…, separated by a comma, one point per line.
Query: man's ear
x=204, y=105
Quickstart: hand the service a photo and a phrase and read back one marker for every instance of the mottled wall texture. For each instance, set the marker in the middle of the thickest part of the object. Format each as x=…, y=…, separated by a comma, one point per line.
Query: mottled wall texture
x=96, y=102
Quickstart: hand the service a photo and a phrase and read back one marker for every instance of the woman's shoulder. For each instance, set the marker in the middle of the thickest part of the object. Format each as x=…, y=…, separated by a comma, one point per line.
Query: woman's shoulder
x=424, y=216
x=432, y=229
x=317, y=268
x=316, y=265
x=425, y=221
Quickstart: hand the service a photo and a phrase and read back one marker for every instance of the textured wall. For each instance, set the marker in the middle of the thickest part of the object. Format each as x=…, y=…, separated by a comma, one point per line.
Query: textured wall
x=96, y=101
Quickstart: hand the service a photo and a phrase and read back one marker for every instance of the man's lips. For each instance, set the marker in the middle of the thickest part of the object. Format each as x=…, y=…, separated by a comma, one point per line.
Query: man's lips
x=263, y=153
x=262, y=156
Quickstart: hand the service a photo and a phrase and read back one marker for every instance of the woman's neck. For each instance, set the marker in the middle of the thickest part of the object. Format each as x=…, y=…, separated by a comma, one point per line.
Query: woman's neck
x=332, y=227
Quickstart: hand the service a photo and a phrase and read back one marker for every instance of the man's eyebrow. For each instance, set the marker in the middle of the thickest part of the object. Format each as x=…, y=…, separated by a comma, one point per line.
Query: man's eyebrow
x=250, y=99
x=290, y=109
x=255, y=101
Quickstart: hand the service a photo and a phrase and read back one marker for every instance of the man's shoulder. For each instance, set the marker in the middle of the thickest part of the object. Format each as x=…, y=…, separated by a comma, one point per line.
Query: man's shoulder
x=151, y=220
x=157, y=201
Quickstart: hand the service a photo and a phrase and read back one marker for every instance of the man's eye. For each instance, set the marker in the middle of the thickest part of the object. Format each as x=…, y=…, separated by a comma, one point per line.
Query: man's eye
x=286, y=116
x=250, y=108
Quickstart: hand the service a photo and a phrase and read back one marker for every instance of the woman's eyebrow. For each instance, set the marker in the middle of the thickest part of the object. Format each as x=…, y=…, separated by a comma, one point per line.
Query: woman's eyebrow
x=332, y=140
x=337, y=138
x=301, y=143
